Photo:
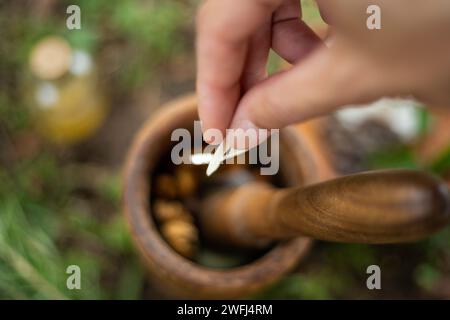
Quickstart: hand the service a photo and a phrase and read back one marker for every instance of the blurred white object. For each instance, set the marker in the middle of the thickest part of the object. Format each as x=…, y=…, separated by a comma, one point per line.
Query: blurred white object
x=63, y=91
x=46, y=95
x=222, y=153
x=399, y=114
x=50, y=58
x=81, y=63
x=201, y=158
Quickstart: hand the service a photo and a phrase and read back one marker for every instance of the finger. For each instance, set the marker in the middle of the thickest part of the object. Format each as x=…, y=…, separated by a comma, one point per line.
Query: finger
x=257, y=57
x=292, y=39
x=328, y=9
x=323, y=82
x=224, y=28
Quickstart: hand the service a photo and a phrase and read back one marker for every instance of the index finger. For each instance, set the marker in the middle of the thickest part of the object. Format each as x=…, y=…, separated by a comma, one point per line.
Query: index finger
x=224, y=28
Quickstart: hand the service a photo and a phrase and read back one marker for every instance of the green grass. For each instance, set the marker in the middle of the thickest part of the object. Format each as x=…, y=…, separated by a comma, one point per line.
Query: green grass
x=45, y=227
x=51, y=214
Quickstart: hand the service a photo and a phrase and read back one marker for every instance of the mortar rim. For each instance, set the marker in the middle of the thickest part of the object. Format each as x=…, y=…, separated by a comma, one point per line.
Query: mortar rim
x=161, y=259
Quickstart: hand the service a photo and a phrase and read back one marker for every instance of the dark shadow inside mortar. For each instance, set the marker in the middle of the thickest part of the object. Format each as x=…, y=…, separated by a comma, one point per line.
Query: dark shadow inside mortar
x=206, y=253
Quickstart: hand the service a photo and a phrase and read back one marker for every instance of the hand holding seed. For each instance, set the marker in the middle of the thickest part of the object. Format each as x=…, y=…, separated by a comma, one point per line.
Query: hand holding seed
x=407, y=56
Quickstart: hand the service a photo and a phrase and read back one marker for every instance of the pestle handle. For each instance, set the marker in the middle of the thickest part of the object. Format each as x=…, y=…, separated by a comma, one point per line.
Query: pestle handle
x=374, y=207
x=388, y=206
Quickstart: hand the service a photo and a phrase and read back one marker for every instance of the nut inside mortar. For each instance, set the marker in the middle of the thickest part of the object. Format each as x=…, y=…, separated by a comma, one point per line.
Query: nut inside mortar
x=176, y=196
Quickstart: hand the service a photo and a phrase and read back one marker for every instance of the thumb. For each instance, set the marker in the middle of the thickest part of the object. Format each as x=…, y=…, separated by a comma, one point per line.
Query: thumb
x=328, y=79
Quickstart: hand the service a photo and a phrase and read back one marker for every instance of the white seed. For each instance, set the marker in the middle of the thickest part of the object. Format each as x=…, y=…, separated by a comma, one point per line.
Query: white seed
x=221, y=154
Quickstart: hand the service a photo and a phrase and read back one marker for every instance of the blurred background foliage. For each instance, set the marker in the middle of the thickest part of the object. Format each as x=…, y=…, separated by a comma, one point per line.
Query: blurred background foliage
x=60, y=204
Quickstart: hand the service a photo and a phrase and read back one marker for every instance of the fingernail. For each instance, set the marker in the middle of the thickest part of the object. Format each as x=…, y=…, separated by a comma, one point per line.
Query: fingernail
x=246, y=135
x=210, y=138
x=207, y=138
x=243, y=124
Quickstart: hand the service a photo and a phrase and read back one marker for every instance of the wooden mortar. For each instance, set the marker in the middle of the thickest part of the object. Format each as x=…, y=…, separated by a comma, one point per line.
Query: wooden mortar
x=375, y=207
x=175, y=275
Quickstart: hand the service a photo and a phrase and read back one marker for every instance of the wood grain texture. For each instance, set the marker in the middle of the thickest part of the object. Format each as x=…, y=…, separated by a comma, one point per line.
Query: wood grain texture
x=387, y=206
x=173, y=275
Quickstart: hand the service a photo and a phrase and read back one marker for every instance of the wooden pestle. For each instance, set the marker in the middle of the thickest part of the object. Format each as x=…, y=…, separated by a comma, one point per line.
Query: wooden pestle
x=388, y=206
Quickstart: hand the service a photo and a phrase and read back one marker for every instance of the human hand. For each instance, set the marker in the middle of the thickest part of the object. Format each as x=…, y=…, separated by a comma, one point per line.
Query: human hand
x=410, y=55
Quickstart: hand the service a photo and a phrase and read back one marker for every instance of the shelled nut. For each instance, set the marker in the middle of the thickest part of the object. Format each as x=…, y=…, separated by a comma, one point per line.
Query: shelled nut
x=186, y=182
x=165, y=186
x=170, y=210
x=182, y=236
